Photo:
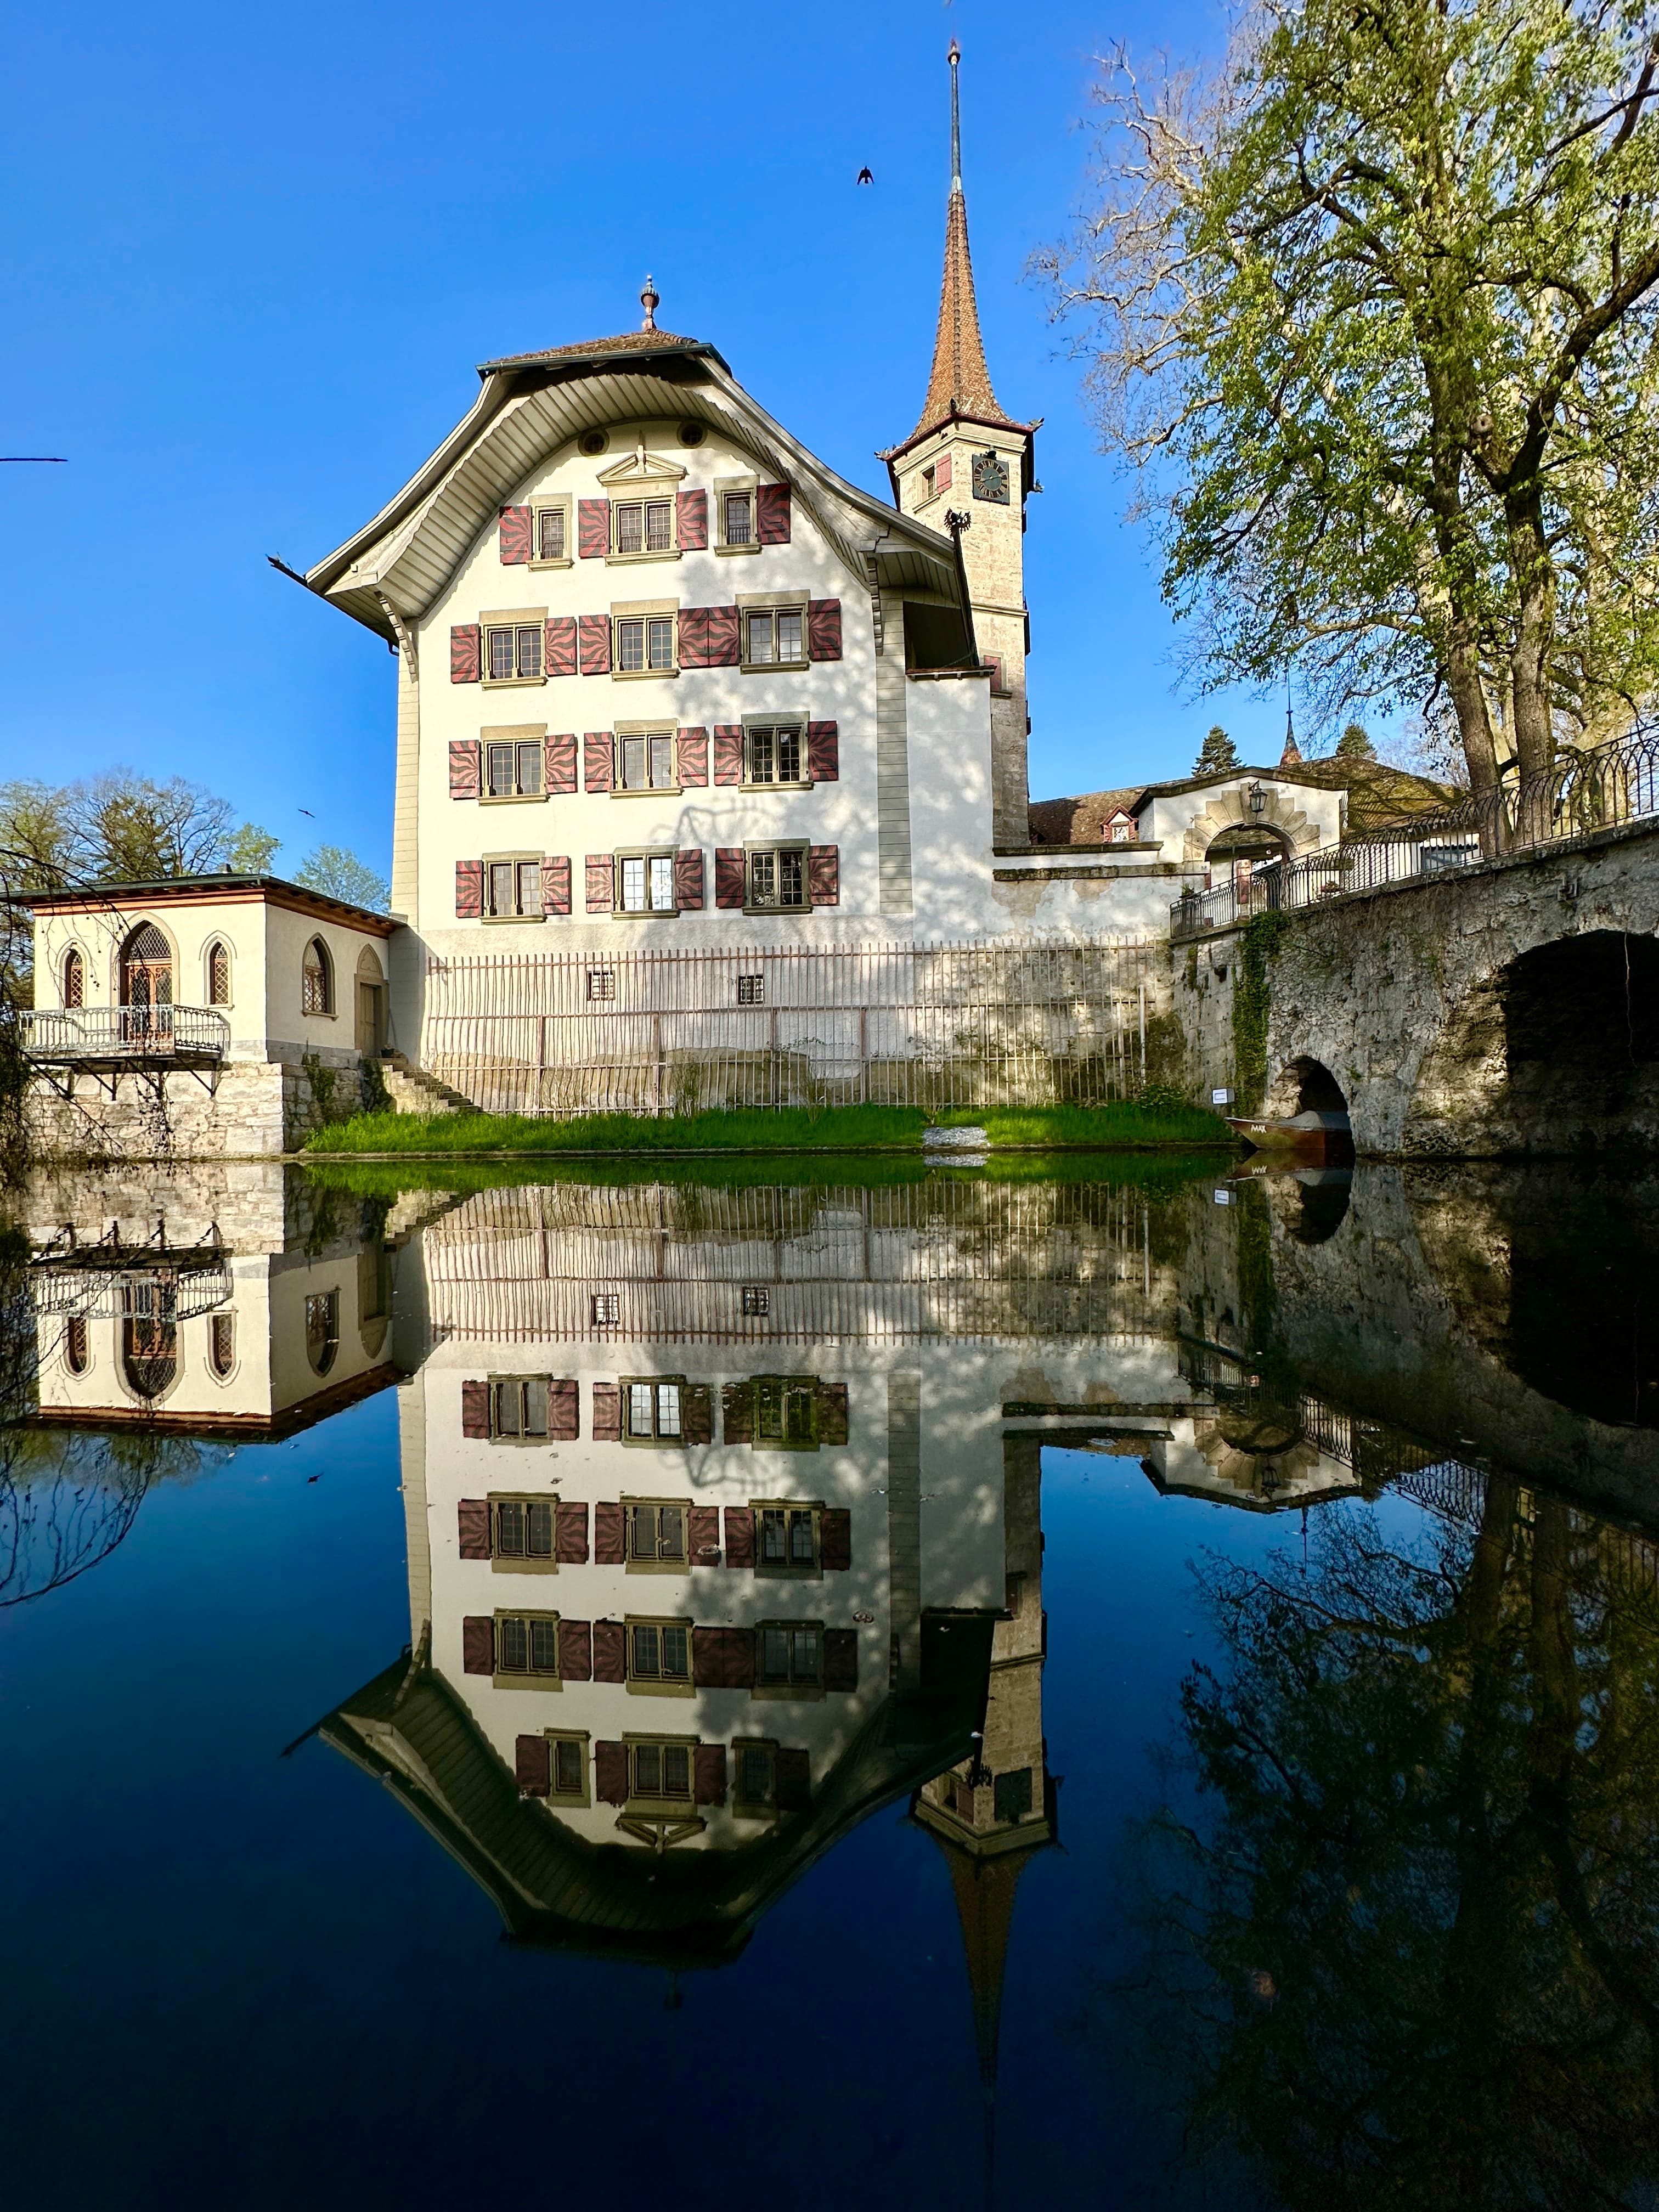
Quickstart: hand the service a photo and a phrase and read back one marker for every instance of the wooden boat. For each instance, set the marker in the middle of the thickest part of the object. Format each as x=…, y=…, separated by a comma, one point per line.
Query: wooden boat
x=1311, y=1140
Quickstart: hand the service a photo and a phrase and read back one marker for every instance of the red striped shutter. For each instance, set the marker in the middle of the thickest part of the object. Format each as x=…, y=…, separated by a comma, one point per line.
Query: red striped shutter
x=593, y=632
x=823, y=874
x=722, y=637
x=794, y=1773
x=609, y=1526
x=835, y=1540
x=740, y=1658
x=559, y=650
x=688, y=889
x=601, y=867
x=610, y=1657
x=739, y=1532
x=478, y=1644
x=570, y=1532
x=728, y=752
x=708, y=1658
x=469, y=891
x=697, y=1407
x=708, y=1774
x=475, y=1527
x=592, y=528
x=532, y=1765
x=823, y=629
x=464, y=654
x=823, y=751
x=555, y=884
x=610, y=1773
x=607, y=1416
x=560, y=773
x=832, y=1412
x=693, y=752
x=694, y=637
x=704, y=1534
x=694, y=521
x=737, y=1412
x=464, y=774
x=728, y=875
x=598, y=760
x=576, y=1650
x=840, y=1658
x=942, y=473
x=475, y=1397
x=563, y=1410
x=516, y=533
x=772, y=514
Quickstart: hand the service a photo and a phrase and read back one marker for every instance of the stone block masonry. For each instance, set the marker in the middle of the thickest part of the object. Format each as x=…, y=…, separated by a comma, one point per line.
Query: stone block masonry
x=259, y=1110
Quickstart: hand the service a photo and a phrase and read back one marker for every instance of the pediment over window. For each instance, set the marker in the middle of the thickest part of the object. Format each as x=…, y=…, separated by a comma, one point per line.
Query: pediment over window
x=639, y=470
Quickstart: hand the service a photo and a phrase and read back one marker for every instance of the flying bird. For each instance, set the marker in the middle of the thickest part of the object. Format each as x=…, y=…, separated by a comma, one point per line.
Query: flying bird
x=306, y=812
x=865, y=177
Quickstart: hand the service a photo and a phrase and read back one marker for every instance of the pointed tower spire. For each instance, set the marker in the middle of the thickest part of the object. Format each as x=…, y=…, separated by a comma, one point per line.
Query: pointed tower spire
x=960, y=385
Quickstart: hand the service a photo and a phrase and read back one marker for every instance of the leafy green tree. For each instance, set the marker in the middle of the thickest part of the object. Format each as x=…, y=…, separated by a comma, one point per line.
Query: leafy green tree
x=252, y=850
x=340, y=874
x=1355, y=744
x=1410, y=1956
x=127, y=828
x=1374, y=301
x=1218, y=751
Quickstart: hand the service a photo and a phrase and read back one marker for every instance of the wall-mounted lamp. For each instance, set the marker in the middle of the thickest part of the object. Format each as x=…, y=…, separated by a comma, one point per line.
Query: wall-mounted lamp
x=1257, y=800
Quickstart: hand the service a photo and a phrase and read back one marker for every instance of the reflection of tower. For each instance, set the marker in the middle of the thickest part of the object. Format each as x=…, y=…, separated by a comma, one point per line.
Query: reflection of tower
x=991, y=1813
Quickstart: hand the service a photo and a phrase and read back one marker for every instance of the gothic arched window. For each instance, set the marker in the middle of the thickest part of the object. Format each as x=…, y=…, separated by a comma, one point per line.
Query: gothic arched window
x=218, y=973
x=75, y=979
x=317, y=979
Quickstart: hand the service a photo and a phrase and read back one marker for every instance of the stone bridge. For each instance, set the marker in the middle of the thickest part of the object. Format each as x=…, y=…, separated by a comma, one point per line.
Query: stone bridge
x=1511, y=1007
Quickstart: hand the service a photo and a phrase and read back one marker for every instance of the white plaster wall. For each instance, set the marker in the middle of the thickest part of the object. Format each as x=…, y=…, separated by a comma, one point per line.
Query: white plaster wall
x=842, y=813
x=291, y=1033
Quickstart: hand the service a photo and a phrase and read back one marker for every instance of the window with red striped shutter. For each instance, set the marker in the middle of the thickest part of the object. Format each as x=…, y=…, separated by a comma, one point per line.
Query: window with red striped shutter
x=516, y=536
x=559, y=657
x=823, y=629
x=823, y=751
x=693, y=761
x=693, y=521
x=469, y=890
x=729, y=876
x=823, y=875
x=728, y=752
x=561, y=768
x=688, y=879
x=593, y=632
x=465, y=779
x=694, y=637
x=723, y=637
x=772, y=514
x=598, y=760
x=555, y=882
x=600, y=899
x=592, y=528
x=464, y=654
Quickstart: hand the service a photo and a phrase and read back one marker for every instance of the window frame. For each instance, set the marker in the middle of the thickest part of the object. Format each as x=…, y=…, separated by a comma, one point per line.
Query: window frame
x=516, y=619
x=658, y=1685
x=550, y=503
x=640, y=1801
x=525, y=1562
x=522, y=737
x=787, y=1570
x=754, y=1809
x=515, y=861
x=644, y=497
x=773, y=603
x=645, y=612
x=752, y=725
x=626, y=732
x=228, y=1318
x=751, y=853
x=527, y=1678
x=497, y=1383
x=328, y=1303
x=634, y=1563
x=218, y=945
x=72, y=953
x=329, y=1010
x=790, y=1385
x=721, y=487
x=656, y=1441
x=648, y=852
x=798, y=1689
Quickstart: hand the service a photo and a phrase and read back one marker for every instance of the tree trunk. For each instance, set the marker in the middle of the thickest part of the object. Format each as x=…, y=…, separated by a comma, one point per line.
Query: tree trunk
x=1533, y=575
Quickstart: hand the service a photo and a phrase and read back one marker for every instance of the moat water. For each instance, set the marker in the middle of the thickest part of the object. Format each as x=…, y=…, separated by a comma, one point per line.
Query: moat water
x=1150, y=1694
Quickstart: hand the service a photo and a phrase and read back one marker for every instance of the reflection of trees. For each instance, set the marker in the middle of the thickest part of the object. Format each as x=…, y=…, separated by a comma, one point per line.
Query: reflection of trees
x=1414, y=1959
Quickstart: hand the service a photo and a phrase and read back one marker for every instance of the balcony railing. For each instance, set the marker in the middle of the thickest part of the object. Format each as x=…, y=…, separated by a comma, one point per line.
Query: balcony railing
x=1584, y=792
x=68, y=1037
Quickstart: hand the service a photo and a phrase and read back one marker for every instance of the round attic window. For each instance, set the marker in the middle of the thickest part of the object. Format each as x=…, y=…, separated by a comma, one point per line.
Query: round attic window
x=592, y=441
x=692, y=434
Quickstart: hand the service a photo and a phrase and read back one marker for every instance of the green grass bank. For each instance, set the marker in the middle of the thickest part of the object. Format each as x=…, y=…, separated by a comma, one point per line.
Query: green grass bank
x=842, y=1129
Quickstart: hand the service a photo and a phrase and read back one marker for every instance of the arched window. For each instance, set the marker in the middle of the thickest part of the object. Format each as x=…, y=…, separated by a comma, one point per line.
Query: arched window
x=75, y=979
x=218, y=973
x=77, y=1354
x=317, y=980
x=322, y=1329
x=146, y=968
x=222, y=1343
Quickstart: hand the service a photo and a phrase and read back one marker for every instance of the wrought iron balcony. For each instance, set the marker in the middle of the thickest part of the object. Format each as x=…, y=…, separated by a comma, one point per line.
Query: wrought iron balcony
x=105, y=1041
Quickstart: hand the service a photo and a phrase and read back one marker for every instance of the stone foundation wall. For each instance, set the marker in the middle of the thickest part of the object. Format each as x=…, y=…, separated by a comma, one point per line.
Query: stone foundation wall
x=259, y=1110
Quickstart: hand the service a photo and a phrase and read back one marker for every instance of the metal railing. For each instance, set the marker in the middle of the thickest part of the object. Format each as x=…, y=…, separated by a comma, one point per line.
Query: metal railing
x=901, y=1024
x=1598, y=789
x=64, y=1034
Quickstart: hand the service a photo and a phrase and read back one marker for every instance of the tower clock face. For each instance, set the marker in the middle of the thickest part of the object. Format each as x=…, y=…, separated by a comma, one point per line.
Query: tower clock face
x=991, y=478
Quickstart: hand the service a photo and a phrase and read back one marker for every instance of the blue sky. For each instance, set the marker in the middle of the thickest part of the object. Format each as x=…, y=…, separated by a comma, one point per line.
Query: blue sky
x=252, y=257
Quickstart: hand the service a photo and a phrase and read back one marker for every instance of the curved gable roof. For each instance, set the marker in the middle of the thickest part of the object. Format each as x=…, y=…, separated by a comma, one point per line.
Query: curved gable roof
x=532, y=405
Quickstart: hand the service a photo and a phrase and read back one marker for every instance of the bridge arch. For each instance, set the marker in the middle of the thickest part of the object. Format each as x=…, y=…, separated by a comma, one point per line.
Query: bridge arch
x=1554, y=1050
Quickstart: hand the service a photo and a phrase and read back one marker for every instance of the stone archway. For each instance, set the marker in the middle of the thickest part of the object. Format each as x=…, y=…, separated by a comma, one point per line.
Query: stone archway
x=1228, y=809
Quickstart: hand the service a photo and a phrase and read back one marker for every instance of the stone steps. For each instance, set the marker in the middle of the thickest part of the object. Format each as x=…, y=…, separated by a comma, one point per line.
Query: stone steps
x=413, y=1091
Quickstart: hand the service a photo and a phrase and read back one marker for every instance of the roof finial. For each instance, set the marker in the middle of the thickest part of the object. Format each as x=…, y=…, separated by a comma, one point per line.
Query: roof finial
x=650, y=300
x=955, y=58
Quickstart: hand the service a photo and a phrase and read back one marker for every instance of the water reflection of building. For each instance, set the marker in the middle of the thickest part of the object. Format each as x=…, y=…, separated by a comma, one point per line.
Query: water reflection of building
x=724, y=1529
x=219, y=1304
